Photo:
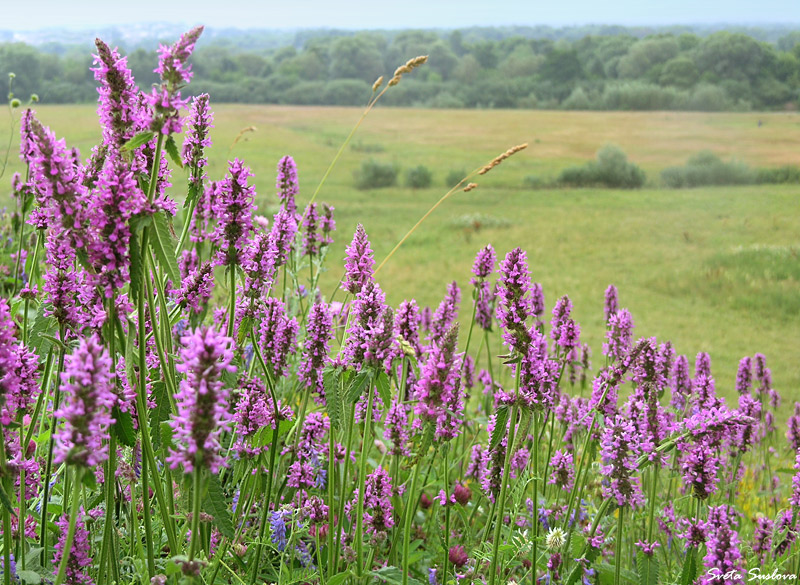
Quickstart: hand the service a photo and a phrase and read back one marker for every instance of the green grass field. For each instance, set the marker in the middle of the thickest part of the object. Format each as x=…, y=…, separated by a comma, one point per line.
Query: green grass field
x=714, y=270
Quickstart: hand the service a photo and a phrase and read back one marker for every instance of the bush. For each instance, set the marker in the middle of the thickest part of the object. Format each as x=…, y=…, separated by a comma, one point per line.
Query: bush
x=611, y=169
x=454, y=177
x=577, y=100
x=781, y=175
x=420, y=177
x=636, y=95
x=709, y=98
x=375, y=175
x=707, y=169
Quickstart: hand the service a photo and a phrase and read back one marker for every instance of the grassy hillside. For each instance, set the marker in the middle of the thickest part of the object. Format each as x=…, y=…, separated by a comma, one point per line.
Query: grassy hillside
x=714, y=270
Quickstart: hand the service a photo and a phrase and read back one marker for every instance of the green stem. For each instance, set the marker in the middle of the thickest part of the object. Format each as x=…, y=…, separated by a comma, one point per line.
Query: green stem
x=232, y=312
x=651, y=524
x=196, y=499
x=362, y=475
x=446, y=515
x=330, y=486
x=503, y=488
x=535, y=519
x=73, y=516
x=618, y=554
x=409, y=513
x=345, y=473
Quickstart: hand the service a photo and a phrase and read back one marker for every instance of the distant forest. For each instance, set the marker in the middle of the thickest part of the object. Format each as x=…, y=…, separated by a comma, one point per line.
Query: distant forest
x=582, y=68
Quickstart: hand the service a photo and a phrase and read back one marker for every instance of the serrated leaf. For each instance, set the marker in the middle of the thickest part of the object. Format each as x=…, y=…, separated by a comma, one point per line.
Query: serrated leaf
x=647, y=567
x=333, y=402
x=42, y=326
x=191, y=195
x=163, y=246
x=89, y=481
x=244, y=329
x=356, y=387
x=123, y=427
x=138, y=140
x=577, y=545
x=393, y=576
x=382, y=384
x=33, y=558
x=427, y=440
x=689, y=571
x=172, y=151
x=499, y=431
x=607, y=573
x=216, y=505
x=522, y=430
x=137, y=268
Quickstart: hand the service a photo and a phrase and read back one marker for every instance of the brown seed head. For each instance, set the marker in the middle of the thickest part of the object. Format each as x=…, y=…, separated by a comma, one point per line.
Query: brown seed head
x=470, y=187
x=377, y=84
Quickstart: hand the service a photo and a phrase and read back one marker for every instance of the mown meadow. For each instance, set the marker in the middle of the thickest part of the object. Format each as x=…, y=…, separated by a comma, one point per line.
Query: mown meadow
x=712, y=269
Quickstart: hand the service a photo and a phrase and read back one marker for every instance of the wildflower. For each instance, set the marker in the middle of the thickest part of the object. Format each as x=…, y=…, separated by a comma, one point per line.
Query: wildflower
x=620, y=449
x=396, y=428
x=277, y=336
x=648, y=548
x=370, y=340
x=359, y=262
x=87, y=387
x=457, y=556
x=793, y=431
x=446, y=313
x=407, y=325
x=538, y=374
x=438, y=391
x=202, y=401
x=277, y=524
x=722, y=547
x=744, y=376
x=555, y=539
x=233, y=208
x=196, y=288
x=462, y=494
x=281, y=236
x=515, y=303
x=79, y=560
x=118, y=108
x=378, y=502
x=611, y=302
x=619, y=335
x=287, y=185
x=315, y=348
x=563, y=475
x=164, y=101
x=762, y=537
x=681, y=384
x=197, y=139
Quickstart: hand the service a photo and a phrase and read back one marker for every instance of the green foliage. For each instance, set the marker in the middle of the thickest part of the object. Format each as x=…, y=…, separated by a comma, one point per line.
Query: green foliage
x=454, y=177
x=781, y=175
x=375, y=175
x=640, y=95
x=419, y=177
x=610, y=169
x=706, y=168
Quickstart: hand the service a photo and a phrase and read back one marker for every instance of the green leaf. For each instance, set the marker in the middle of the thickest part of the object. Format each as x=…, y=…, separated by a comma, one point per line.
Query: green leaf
x=191, y=195
x=29, y=577
x=244, y=329
x=33, y=558
x=123, y=427
x=42, y=326
x=172, y=151
x=339, y=578
x=89, y=481
x=216, y=505
x=393, y=576
x=607, y=572
x=356, y=388
x=160, y=413
x=689, y=571
x=138, y=140
x=6, y=501
x=284, y=427
x=426, y=442
x=163, y=245
x=333, y=402
x=647, y=567
x=382, y=384
x=137, y=268
x=499, y=431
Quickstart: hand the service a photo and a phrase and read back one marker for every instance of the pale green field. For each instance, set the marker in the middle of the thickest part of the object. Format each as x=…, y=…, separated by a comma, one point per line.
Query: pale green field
x=714, y=270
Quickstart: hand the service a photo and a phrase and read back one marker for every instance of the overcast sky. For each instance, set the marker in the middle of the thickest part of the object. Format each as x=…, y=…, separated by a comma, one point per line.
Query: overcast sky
x=360, y=14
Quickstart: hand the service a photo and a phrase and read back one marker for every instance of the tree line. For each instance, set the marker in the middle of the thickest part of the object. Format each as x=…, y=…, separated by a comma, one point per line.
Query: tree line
x=724, y=70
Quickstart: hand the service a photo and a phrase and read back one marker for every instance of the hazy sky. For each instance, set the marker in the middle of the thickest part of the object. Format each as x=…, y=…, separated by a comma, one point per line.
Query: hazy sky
x=358, y=14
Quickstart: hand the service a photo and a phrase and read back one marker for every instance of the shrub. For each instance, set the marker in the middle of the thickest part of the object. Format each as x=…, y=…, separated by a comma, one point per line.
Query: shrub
x=420, y=177
x=577, y=100
x=611, y=169
x=784, y=174
x=709, y=98
x=375, y=175
x=454, y=177
x=636, y=95
x=707, y=169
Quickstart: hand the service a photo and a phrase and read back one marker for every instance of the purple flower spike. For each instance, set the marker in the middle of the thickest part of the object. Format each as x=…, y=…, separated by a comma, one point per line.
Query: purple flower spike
x=681, y=383
x=620, y=449
x=202, y=401
x=287, y=185
x=278, y=335
x=197, y=139
x=438, y=392
x=611, y=303
x=88, y=389
x=79, y=561
x=396, y=428
x=515, y=303
x=359, y=262
x=446, y=313
x=118, y=102
x=722, y=548
x=484, y=264
x=315, y=348
x=619, y=335
x=234, y=210
x=563, y=475
x=371, y=337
